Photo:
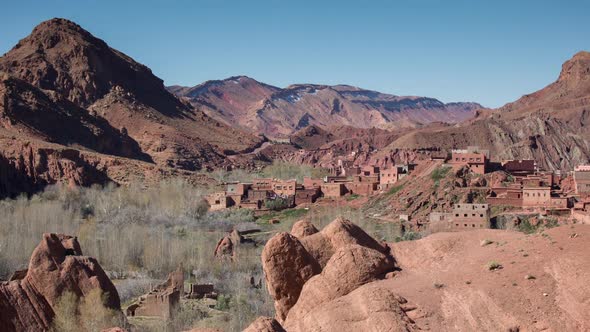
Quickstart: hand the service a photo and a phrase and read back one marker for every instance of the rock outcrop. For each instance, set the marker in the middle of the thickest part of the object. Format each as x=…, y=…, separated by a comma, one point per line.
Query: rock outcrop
x=303, y=228
x=56, y=266
x=339, y=233
x=225, y=248
x=549, y=125
x=287, y=266
x=367, y=308
x=304, y=273
x=265, y=324
x=349, y=268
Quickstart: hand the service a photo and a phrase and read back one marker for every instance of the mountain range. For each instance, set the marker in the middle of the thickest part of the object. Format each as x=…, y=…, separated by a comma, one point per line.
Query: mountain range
x=74, y=109
x=254, y=106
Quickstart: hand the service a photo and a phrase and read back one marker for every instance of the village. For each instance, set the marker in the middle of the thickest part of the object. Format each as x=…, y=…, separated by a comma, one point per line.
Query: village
x=530, y=189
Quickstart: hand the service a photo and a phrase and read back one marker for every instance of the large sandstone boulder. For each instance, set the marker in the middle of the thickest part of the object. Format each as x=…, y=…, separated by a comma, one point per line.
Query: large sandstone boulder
x=56, y=266
x=368, y=308
x=303, y=228
x=349, y=268
x=265, y=324
x=339, y=233
x=287, y=266
x=290, y=262
x=225, y=248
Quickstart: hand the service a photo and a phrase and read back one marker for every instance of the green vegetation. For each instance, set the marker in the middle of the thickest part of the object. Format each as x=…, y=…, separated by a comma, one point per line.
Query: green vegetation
x=278, y=204
x=286, y=171
x=439, y=174
x=139, y=235
x=409, y=236
x=223, y=302
x=395, y=189
x=288, y=216
x=527, y=227
x=86, y=314
x=493, y=265
x=352, y=197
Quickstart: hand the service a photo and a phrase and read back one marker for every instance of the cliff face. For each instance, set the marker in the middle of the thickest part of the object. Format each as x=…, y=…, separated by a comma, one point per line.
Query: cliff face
x=280, y=112
x=550, y=125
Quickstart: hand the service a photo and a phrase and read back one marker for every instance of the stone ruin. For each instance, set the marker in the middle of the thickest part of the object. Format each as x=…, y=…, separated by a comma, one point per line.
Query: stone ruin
x=163, y=300
x=200, y=291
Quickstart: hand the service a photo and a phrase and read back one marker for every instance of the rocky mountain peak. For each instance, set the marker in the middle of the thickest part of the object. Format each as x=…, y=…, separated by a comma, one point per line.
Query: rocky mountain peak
x=576, y=69
x=61, y=56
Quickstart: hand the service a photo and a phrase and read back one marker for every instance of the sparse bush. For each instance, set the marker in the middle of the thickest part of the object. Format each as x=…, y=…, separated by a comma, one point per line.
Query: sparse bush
x=493, y=265
x=408, y=236
x=278, y=203
x=223, y=303
x=286, y=171
x=439, y=174
x=88, y=314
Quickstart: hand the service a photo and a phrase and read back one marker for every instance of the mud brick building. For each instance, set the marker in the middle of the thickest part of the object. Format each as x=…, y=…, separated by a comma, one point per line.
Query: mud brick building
x=582, y=180
x=303, y=196
x=464, y=216
x=520, y=167
x=217, y=201
x=162, y=301
x=284, y=188
x=333, y=190
x=309, y=183
x=472, y=157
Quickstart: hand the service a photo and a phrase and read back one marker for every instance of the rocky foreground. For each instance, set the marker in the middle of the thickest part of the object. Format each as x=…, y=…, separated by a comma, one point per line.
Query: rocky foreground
x=340, y=279
x=28, y=302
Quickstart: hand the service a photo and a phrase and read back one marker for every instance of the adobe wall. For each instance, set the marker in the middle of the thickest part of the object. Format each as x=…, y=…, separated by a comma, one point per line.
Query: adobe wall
x=497, y=201
x=333, y=189
x=360, y=188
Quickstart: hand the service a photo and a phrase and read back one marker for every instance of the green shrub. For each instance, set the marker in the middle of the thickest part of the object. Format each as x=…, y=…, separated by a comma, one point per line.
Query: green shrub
x=439, y=173
x=223, y=302
x=278, y=203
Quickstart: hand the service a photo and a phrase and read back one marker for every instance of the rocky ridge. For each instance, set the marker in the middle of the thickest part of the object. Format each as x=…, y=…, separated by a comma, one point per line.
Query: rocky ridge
x=278, y=113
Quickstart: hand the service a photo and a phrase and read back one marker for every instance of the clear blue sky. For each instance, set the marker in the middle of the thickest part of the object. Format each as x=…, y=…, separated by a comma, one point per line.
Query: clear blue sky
x=491, y=52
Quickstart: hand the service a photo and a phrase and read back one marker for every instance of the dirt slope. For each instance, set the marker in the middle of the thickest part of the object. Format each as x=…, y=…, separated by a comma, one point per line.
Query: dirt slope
x=474, y=298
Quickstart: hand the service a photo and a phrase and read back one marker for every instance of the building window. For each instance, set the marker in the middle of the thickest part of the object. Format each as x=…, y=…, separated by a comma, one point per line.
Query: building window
x=465, y=215
x=481, y=215
x=472, y=225
x=464, y=225
x=456, y=215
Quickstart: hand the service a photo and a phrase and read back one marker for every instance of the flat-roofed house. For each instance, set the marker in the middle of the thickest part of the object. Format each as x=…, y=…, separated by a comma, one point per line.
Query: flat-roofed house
x=520, y=167
x=467, y=216
x=472, y=157
x=217, y=201
x=582, y=180
x=536, y=196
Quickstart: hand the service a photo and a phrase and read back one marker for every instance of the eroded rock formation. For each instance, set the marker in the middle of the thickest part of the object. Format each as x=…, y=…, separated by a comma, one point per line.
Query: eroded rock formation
x=56, y=266
x=302, y=274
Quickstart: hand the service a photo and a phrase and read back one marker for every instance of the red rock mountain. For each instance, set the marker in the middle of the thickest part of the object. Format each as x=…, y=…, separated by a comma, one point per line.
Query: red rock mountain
x=550, y=125
x=279, y=112
x=63, y=88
